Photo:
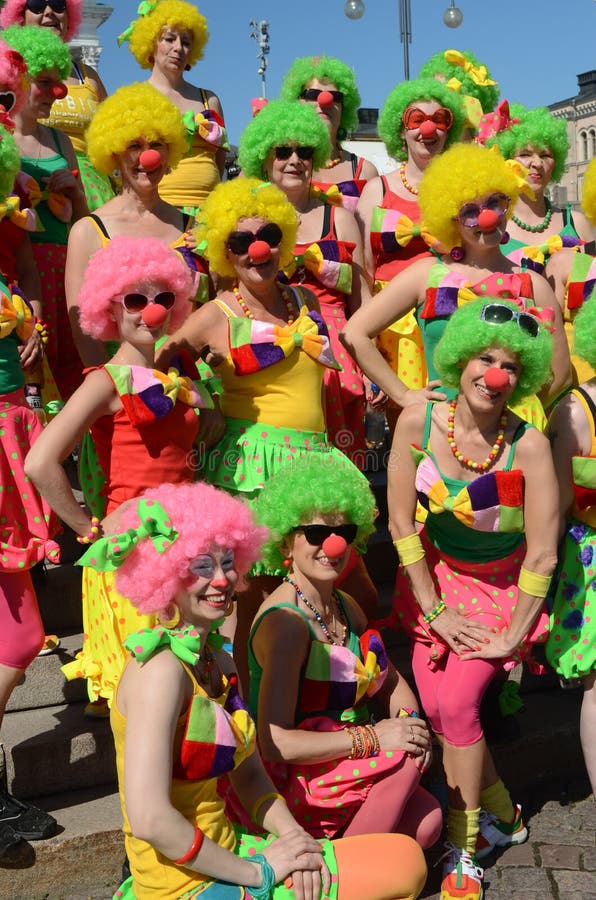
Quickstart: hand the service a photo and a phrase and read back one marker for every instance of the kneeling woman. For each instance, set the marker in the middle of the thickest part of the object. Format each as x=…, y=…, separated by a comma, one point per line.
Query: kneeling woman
x=472, y=599
x=179, y=725
x=313, y=639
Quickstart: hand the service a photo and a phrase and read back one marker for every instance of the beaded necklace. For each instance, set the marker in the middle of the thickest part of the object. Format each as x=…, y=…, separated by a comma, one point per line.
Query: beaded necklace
x=323, y=625
x=249, y=315
x=332, y=163
x=464, y=460
x=402, y=174
x=542, y=226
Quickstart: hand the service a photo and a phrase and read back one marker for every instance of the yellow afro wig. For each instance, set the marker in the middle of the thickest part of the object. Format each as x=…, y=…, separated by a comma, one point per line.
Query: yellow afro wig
x=174, y=14
x=589, y=192
x=243, y=198
x=461, y=174
x=135, y=111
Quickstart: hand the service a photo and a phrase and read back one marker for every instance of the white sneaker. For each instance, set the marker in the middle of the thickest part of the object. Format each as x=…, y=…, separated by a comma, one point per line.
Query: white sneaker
x=495, y=833
x=462, y=878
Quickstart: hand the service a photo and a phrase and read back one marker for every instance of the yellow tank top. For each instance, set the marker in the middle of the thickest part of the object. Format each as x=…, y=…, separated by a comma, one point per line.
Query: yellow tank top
x=195, y=176
x=287, y=394
x=154, y=876
x=73, y=113
x=105, y=237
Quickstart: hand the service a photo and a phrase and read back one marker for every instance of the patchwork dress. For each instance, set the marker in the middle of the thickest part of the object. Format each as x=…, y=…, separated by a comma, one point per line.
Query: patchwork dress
x=579, y=287
x=343, y=193
x=535, y=256
x=571, y=646
x=212, y=738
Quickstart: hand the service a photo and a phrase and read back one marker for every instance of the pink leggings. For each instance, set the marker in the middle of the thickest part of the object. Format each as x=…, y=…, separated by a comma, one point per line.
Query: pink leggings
x=451, y=693
x=21, y=628
x=398, y=803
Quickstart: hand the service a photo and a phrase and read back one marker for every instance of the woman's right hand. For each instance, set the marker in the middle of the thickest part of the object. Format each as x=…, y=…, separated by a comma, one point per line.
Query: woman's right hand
x=423, y=395
x=404, y=733
x=460, y=633
x=298, y=855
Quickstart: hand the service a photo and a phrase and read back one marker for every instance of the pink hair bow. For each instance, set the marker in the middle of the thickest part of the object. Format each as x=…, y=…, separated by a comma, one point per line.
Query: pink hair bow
x=545, y=315
x=495, y=122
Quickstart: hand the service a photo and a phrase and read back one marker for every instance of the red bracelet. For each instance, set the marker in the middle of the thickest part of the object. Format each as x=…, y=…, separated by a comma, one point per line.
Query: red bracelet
x=193, y=849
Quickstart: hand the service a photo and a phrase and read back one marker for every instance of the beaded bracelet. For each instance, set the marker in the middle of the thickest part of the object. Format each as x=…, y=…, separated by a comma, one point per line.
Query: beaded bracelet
x=263, y=799
x=268, y=879
x=43, y=331
x=365, y=742
x=193, y=849
x=438, y=609
x=533, y=584
x=93, y=532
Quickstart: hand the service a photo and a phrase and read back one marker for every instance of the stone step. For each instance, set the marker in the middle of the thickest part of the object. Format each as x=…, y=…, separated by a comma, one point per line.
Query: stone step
x=56, y=749
x=44, y=683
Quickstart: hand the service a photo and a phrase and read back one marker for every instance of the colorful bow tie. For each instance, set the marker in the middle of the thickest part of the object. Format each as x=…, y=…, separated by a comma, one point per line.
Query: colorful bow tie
x=538, y=253
x=109, y=552
x=257, y=345
x=494, y=122
x=478, y=74
x=373, y=669
x=15, y=314
x=185, y=643
x=331, y=194
x=405, y=230
x=150, y=394
x=208, y=125
x=31, y=195
x=330, y=261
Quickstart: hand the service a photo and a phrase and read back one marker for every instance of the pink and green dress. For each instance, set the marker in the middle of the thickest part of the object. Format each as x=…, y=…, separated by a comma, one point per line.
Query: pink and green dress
x=213, y=737
x=571, y=646
x=335, y=685
x=474, y=542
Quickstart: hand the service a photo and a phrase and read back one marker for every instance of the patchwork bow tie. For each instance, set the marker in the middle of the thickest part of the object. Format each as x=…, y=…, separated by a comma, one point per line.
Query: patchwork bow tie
x=208, y=124
x=405, y=230
x=15, y=314
x=329, y=261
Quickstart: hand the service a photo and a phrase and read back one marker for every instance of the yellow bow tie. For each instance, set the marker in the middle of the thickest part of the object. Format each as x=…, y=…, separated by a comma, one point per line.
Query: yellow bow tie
x=15, y=315
x=405, y=230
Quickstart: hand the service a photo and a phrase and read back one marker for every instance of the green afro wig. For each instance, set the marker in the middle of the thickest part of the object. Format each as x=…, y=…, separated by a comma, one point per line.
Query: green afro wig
x=10, y=162
x=466, y=334
x=243, y=198
x=462, y=173
x=174, y=14
x=324, y=69
x=407, y=93
x=589, y=192
x=135, y=111
x=585, y=329
x=282, y=122
x=536, y=128
x=40, y=48
x=312, y=485
x=444, y=67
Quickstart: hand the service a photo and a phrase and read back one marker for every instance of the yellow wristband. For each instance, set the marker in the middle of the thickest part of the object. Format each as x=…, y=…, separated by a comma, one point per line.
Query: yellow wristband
x=259, y=802
x=533, y=584
x=409, y=549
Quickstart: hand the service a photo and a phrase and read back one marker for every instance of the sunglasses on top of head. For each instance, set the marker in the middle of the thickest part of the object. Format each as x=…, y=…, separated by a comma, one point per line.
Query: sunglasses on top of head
x=498, y=314
x=312, y=94
x=135, y=302
x=414, y=117
x=302, y=153
x=239, y=241
x=38, y=6
x=470, y=212
x=316, y=534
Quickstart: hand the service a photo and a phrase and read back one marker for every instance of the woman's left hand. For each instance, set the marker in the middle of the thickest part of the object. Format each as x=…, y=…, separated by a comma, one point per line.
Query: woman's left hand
x=497, y=646
x=32, y=351
x=64, y=182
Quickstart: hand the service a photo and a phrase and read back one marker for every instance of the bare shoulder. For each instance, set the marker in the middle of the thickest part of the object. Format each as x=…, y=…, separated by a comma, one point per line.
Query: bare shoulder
x=531, y=444
x=368, y=170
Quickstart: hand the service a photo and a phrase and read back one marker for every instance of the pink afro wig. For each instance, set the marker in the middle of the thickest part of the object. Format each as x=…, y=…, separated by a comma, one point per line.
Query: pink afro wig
x=13, y=13
x=13, y=76
x=128, y=264
x=204, y=517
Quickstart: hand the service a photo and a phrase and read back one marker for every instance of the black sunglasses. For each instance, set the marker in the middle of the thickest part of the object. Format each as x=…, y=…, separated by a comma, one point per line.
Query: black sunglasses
x=497, y=314
x=312, y=94
x=38, y=6
x=239, y=241
x=301, y=152
x=316, y=534
x=136, y=302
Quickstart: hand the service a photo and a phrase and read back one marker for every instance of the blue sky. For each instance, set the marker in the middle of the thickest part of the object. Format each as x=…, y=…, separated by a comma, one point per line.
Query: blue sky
x=535, y=49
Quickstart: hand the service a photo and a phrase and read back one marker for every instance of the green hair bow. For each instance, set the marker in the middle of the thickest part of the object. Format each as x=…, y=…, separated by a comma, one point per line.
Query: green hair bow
x=144, y=8
x=109, y=552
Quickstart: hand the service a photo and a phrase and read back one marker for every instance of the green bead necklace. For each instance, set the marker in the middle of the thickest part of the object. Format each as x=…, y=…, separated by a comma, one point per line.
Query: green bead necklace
x=542, y=226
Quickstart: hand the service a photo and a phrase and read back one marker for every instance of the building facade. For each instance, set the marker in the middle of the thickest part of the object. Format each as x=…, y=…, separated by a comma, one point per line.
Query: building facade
x=580, y=114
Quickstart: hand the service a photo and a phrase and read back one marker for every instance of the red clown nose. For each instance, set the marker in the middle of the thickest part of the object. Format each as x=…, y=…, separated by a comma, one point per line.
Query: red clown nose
x=496, y=379
x=325, y=99
x=334, y=546
x=427, y=128
x=154, y=315
x=59, y=91
x=488, y=220
x=259, y=251
x=150, y=160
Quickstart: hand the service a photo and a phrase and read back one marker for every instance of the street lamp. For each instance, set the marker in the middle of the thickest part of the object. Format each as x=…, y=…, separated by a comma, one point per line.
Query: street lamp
x=260, y=33
x=354, y=9
x=453, y=16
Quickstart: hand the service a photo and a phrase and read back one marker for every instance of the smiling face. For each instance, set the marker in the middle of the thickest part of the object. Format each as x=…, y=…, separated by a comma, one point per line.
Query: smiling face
x=209, y=587
x=310, y=560
x=424, y=143
x=172, y=50
x=473, y=385
x=291, y=173
x=48, y=18
x=491, y=224
x=540, y=165
x=132, y=327
x=134, y=174
x=254, y=272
